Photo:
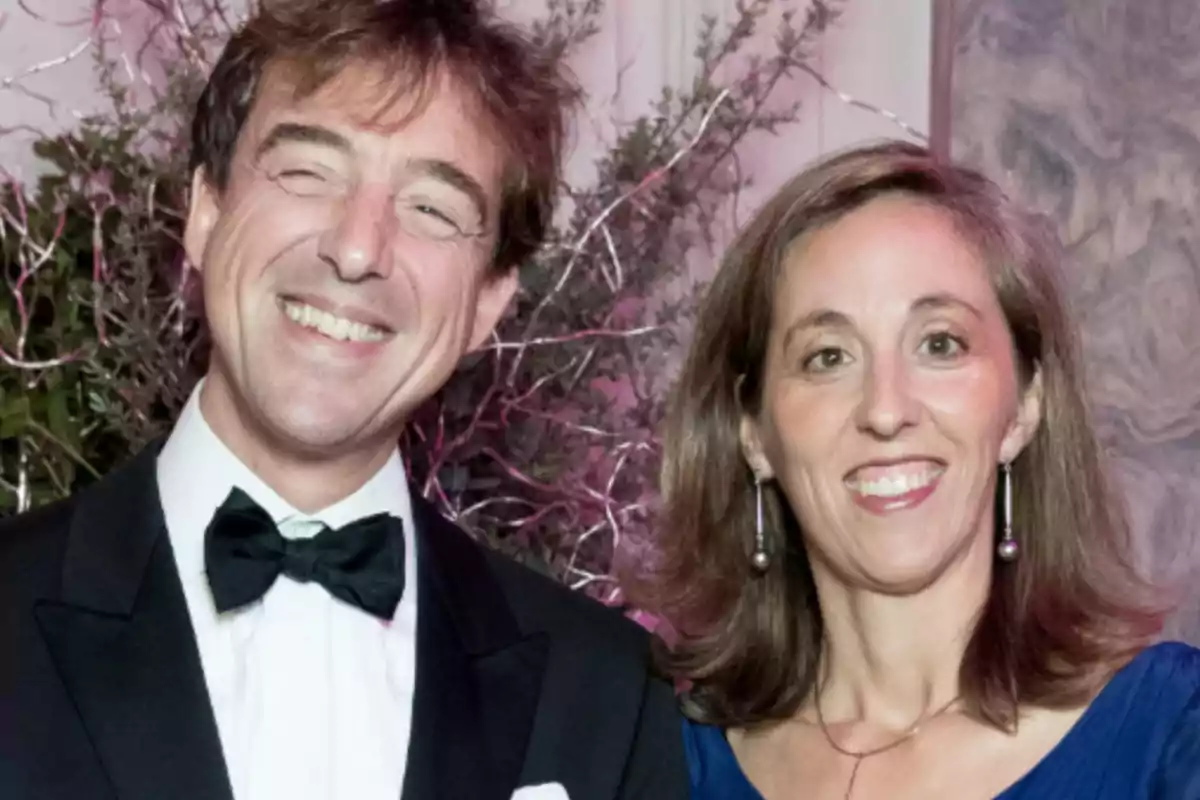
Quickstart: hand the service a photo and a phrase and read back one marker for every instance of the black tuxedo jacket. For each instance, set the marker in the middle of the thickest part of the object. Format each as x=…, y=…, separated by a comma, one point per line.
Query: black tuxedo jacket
x=519, y=681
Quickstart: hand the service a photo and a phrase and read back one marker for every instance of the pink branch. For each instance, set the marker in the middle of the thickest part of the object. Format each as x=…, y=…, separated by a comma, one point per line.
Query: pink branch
x=68, y=24
x=50, y=363
x=42, y=66
x=585, y=429
x=99, y=270
x=603, y=216
x=573, y=337
x=518, y=475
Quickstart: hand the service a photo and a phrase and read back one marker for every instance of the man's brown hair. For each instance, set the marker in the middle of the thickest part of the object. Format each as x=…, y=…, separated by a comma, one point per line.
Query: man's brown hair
x=518, y=85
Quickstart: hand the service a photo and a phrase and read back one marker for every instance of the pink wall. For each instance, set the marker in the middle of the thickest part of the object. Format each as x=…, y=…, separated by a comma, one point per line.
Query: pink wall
x=879, y=52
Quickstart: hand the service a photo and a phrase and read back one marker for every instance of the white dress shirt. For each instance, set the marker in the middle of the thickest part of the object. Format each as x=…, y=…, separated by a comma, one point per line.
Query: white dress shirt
x=312, y=696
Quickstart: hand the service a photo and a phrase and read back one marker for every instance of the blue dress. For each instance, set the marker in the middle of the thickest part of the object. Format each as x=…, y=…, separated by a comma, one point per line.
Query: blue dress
x=1138, y=740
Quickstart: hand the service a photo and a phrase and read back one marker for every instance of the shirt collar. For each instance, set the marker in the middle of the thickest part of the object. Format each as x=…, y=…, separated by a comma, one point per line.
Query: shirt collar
x=196, y=472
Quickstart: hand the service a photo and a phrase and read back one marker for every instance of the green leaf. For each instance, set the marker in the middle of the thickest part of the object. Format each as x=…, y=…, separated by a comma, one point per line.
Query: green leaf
x=58, y=418
x=96, y=403
x=13, y=416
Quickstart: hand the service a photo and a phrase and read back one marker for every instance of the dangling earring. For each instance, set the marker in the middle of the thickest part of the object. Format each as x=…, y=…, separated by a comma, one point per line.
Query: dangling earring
x=760, y=559
x=1007, y=550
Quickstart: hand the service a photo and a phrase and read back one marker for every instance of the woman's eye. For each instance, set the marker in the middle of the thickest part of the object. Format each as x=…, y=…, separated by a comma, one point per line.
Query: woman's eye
x=825, y=359
x=943, y=345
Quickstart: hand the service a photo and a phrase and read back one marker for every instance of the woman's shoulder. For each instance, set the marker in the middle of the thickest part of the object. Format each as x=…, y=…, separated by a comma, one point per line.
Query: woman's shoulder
x=1168, y=670
x=1173, y=656
x=1171, y=682
x=702, y=744
x=712, y=766
x=1149, y=697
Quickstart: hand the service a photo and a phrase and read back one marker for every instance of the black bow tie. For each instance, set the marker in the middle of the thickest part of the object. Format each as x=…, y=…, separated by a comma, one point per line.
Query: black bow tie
x=361, y=563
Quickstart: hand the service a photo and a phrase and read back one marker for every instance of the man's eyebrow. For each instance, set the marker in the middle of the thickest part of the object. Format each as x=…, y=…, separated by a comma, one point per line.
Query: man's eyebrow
x=450, y=173
x=297, y=132
x=439, y=169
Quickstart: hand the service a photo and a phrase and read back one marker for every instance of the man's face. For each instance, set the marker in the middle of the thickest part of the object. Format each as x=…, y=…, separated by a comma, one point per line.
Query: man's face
x=346, y=264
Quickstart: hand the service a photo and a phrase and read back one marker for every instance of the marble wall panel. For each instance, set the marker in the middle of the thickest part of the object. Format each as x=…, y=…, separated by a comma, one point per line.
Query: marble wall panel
x=1089, y=110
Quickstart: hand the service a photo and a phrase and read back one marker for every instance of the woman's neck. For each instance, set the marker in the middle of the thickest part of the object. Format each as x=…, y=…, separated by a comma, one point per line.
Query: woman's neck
x=892, y=659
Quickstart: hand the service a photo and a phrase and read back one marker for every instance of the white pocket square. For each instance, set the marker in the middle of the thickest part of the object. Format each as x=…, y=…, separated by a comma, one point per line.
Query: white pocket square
x=543, y=791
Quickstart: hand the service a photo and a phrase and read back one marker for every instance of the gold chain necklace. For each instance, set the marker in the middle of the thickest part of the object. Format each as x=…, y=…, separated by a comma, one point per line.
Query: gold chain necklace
x=862, y=754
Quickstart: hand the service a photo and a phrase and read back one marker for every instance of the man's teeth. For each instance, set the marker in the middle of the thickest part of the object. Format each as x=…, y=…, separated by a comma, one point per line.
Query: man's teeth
x=896, y=485
x=332, y=326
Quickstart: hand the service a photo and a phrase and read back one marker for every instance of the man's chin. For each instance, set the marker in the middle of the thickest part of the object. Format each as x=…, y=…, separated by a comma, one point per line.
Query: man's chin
x=318, y=439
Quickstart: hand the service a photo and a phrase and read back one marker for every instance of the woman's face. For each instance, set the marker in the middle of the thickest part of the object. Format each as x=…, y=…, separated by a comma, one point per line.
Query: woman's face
x=890, y=396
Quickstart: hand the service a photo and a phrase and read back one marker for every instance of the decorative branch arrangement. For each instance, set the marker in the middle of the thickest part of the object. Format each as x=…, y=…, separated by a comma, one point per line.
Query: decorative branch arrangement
x=544, y=443
x=547, y=441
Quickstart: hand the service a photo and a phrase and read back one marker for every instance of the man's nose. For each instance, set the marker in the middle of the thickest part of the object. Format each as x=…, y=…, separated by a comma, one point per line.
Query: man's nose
x=358, y=243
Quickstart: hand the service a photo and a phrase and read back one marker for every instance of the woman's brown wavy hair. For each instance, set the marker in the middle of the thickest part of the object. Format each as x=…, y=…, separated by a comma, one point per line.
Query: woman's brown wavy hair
x=1058, y=620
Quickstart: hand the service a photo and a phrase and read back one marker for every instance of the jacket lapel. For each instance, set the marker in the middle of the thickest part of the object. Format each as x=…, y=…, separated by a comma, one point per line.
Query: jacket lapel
x=479, y=676
x=122, y=639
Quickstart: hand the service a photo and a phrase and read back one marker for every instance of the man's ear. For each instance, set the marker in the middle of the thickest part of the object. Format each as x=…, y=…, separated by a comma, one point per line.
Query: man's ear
x=204, y=209
x=494, y=296
x=1029, y=416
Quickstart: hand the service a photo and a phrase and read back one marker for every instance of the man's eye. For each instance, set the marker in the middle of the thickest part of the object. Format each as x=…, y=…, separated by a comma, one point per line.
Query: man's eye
x=429, y=220
x=302, y=182
x=435, y=212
